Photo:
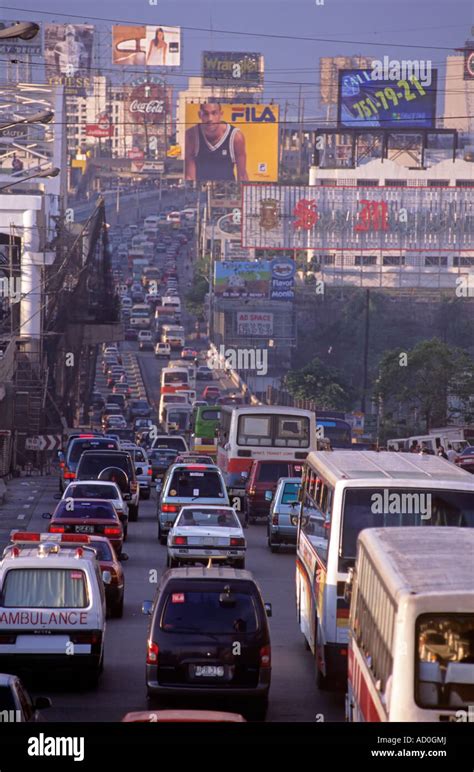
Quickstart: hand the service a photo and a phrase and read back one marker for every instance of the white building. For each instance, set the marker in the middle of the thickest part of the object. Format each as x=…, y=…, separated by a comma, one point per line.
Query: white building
x=458, y=110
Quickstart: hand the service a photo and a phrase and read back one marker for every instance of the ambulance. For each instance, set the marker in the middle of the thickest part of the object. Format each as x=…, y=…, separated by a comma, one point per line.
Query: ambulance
x=52, y=606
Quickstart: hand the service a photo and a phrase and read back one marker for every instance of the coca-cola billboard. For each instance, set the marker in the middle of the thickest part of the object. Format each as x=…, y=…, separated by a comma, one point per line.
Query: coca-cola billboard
x=149, y=103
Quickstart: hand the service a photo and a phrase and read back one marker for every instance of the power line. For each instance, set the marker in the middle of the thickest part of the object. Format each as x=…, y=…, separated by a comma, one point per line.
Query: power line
x=229, y=32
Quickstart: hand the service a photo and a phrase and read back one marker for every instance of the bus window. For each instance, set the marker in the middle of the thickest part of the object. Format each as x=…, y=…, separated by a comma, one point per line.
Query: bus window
x=254, y=430
x=313, y=525
x=291, y=432
x=445, y=661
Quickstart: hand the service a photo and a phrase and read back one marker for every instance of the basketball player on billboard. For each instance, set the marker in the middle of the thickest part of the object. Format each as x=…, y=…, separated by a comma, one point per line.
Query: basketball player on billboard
x=214, y=148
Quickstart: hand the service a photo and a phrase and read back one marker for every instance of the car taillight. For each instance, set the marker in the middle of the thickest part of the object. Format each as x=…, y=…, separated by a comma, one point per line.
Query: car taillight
x=69, y=475
x=179, y=540
x=152, y=652
x=112, y=531
x=252, y=491
x=7, y=638
x=169, y=508
x=57, y=529
x=62, y=464
x=274, y=519
x=150, y=471
x=265, y=656
x=237, y=542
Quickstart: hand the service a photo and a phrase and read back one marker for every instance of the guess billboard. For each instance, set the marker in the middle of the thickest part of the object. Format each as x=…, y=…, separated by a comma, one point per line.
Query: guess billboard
x=149, y=103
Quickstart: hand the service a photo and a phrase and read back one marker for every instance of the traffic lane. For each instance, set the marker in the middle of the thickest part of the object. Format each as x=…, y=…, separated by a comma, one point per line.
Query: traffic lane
x=293, y=695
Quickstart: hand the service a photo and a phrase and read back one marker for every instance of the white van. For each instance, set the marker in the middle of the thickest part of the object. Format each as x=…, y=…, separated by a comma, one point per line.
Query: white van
x=173, y=302
x=53, y=603
x=170, y=399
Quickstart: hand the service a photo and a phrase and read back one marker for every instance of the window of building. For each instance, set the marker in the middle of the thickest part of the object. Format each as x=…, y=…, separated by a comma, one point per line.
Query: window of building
x=393, y=260
x=365, y=260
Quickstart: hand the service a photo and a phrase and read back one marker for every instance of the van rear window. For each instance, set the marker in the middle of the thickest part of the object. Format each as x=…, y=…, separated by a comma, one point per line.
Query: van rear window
x=44, y=588
x=78, y=447
x=202, y=613
x=272, y=472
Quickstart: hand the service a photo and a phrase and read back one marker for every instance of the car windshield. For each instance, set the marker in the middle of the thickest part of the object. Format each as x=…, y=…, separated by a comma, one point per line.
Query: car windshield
x=44, y=588
x=220, y=518
x=85, y=510
x=79, y=446
x=202, y=612
x=272, y=471
x=176, y=443
x=189, y=483
x=85, y=491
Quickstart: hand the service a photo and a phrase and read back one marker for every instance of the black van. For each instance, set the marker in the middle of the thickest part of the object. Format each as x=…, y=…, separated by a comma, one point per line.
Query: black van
x=115, y=466
x=209, y=636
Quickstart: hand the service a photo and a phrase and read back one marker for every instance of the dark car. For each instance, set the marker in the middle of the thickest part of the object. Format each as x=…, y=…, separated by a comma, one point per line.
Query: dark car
x=116, y=466
x=262, y=484
x=131, y=333
x=138, y=408
x=197, y=617
x=70, y=459
x=116, y=399
x=87, y=516
x=97, y=400
x=160, y=459
x=16, y=704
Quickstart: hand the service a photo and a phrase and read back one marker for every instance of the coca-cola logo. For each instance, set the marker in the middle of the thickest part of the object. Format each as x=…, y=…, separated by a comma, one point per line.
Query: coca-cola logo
x=152, y=106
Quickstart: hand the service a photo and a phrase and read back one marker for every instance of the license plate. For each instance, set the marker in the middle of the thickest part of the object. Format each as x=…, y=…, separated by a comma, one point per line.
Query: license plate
x=209, y=671
x=84, y=529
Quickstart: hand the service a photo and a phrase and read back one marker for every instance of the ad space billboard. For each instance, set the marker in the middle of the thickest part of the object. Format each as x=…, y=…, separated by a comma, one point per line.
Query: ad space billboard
x=68, y=57
x=231, y=142
x=367, y=101
x=232, y=68
x=146, y=45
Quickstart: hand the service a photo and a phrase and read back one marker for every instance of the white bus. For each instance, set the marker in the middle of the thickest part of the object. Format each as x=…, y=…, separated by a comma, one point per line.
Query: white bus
x=342, y=493
x=457, y=436
x=249, y=432
x=411, y=632
x=174, y=335
x=174, y=378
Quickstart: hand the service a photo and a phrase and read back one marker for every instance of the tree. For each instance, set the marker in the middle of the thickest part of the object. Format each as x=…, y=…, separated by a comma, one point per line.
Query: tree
x=320, y=383
x=194, y=299
x=432, y=380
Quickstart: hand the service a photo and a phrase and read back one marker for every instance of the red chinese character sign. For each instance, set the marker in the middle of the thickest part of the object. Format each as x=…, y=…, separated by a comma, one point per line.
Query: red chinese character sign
x=357, y=218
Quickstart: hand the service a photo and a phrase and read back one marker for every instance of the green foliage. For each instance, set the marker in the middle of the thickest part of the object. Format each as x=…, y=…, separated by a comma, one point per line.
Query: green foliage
x=321, y=383
x=194, y=299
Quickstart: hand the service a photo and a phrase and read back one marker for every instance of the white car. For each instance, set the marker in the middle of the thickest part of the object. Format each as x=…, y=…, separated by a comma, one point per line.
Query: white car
x=206, y=532
x=100, y=489
x=163, y=350
x=140, y=461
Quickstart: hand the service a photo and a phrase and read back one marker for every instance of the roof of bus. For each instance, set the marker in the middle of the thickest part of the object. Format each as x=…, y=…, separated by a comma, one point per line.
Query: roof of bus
x=277, y=409
x=406, y=560
x=370, y=465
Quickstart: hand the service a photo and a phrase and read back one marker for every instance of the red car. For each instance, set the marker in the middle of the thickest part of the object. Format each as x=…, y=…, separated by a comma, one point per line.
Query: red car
x=87, y=516
x=211, y=392
x=109, y=561
x=262, y=484
x=466, y=459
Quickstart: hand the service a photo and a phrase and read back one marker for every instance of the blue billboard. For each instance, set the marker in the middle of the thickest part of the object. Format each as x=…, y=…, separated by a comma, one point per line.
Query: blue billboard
x=367, y=100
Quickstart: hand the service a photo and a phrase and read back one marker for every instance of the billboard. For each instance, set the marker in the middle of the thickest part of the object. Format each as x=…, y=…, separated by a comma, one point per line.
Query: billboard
x=102, y=128
x=148, y=46
x=231, y=142
x=357, y=218
x=68, y=56
x=329, y=74
x=254, y=324
x=19, y=46
x=366, y=101
x=227, y=68
x=269, y=279
x=469, y=62
x=149, y=103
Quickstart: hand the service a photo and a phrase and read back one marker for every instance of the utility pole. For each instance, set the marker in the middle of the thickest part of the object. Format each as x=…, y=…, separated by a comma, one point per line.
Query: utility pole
x=283, y=133
x=300, y=129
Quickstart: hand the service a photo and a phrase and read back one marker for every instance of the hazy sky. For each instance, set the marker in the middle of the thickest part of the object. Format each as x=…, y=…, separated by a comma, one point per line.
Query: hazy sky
x=406, y=29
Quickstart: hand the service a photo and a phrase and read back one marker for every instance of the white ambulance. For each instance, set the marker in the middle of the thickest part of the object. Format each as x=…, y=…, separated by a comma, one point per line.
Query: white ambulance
x=52, y=605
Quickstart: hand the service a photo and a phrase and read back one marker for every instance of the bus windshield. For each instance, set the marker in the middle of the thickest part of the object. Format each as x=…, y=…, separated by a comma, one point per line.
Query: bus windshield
x=384, y=507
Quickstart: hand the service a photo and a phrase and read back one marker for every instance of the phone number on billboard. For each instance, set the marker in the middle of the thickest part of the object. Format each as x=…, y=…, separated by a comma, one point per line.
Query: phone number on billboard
x=388, y=96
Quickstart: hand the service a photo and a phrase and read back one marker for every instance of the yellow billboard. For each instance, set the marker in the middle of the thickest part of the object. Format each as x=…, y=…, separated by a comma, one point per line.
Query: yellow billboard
x=231, y=142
